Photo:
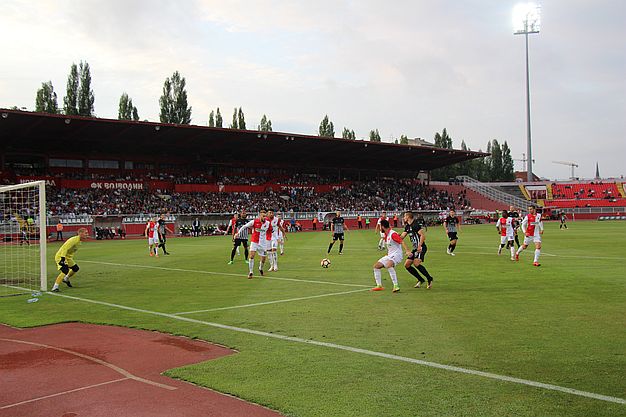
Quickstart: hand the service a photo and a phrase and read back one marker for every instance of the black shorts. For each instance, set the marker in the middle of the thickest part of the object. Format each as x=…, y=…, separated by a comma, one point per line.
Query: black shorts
x=337, y=236
x=418, y=255
x=452, y=235
x=243, y=242
x=162, y=237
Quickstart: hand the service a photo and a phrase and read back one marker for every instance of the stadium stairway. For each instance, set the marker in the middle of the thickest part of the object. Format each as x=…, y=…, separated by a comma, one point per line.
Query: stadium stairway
x=477, y=200
x=620, y=188
x=501, y=198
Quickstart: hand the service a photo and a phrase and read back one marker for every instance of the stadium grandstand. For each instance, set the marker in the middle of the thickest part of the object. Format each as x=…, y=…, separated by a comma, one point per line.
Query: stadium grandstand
x=112, y=174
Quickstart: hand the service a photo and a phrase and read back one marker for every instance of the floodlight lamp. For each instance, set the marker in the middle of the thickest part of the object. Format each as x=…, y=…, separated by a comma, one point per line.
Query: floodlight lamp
x=67, y=121
x=526, y=18
x=5, y=115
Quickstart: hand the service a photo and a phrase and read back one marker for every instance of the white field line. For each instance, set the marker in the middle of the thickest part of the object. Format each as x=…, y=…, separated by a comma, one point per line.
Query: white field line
x=361, y=351
x=62, y=393
x=531, y=249
x=117, y=369
x=195, y=271
x=459, y=250
x=271, y=302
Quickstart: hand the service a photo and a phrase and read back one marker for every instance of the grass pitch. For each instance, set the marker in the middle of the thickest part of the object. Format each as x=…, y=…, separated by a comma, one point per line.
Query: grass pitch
x=562, y=323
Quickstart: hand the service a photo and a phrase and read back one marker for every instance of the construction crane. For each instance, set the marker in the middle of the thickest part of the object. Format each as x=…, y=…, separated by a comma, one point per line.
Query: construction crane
x=523, y=161
x=571, y=164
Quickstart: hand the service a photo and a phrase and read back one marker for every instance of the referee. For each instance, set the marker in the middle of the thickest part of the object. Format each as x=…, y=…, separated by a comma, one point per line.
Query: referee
x=242, y=239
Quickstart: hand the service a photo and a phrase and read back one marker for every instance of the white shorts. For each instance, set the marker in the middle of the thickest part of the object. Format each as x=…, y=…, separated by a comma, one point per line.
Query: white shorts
x=258, y=248
x=531, y=239
x=274, y=244
x=382, y=234
x=153, y=240
x=507, y=238
x=396, y=259
x=280, y=239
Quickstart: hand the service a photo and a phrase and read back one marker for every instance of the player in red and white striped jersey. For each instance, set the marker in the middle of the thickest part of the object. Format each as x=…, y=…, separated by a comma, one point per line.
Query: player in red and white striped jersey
x=532, y=226
x=394, y=257
x=277, y=226
x=153, y=237
x=281, y=234
x=231, y=229
x=381, y=242
x=261, y=230
x=505, y=227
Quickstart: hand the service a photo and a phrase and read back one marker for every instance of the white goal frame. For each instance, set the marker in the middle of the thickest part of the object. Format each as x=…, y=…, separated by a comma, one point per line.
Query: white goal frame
x=43, y=229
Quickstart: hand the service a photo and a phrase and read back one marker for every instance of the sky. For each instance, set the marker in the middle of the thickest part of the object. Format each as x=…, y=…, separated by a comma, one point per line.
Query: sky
x=403, y=67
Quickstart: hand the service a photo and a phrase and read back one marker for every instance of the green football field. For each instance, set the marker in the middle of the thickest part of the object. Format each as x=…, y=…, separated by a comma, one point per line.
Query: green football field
x=492, y=338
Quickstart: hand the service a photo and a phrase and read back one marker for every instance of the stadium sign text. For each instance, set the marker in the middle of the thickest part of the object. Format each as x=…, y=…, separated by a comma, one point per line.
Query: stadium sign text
x=117, y=185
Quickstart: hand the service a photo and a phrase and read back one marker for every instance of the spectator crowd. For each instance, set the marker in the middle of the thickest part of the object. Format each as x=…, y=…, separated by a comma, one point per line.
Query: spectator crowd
x=389, y=195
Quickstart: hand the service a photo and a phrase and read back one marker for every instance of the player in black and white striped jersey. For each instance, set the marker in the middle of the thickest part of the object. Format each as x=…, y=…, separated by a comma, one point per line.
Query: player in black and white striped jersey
x=240, y=237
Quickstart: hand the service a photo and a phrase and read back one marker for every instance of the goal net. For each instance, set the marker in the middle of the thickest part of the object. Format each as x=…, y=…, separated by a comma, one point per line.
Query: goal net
x=23, y=238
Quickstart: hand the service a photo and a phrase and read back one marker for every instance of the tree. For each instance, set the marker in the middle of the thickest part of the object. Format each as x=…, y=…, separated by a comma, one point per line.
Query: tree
x=404, y=140
x=348, y=134
x=508, y=170
x=218, y=118
x=126, y=109
x=266, y=124
x=212, y=119
x=173, y=102
x=374, y=136
x=70, y=101
x=326, y=129
x=235, y=123
x=242, y=119
x=46, y=99
x=496, y=172
x=443, y=140
x=85, y=93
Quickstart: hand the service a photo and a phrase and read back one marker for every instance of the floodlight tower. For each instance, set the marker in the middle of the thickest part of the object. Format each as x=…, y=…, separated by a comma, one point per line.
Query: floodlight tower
x=526, y=20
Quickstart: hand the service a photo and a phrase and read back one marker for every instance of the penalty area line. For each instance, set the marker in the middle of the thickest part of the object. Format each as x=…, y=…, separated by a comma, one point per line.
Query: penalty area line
x=271, y=302
x=457, y=369
x=195, y=271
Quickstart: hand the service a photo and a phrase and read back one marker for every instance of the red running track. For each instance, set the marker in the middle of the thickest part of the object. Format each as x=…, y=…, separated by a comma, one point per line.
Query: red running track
x=74, y=369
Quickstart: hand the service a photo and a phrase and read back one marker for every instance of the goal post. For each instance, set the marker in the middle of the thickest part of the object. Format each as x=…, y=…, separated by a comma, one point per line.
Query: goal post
x=23, y=232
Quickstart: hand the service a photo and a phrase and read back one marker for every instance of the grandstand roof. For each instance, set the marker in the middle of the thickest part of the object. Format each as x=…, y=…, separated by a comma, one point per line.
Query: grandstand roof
x=48, y=134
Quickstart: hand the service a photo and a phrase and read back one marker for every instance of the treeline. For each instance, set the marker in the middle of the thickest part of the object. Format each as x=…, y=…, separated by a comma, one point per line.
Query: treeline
x=496, y=167
x=79, y=100
x=174, y=108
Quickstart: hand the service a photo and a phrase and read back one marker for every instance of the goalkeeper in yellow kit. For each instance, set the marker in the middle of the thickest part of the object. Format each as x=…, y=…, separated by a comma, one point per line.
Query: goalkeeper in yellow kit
x=64, y=258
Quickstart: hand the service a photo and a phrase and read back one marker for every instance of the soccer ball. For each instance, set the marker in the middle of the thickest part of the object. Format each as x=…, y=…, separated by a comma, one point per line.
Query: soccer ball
x=325, y=263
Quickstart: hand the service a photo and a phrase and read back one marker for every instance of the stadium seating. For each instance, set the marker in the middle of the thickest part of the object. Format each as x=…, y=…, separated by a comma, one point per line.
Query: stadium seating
x=593, y=194
x=584, y=191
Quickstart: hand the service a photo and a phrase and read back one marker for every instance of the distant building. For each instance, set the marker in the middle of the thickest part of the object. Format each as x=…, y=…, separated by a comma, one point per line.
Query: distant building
x=419, y=142
x=521, y=176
